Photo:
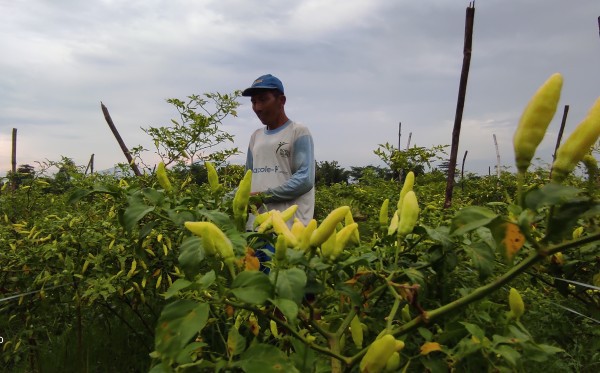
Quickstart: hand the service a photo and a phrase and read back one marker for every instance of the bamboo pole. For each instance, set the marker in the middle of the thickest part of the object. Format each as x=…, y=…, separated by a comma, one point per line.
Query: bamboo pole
x=124, y=148
x=497, y=157
x=468, y=43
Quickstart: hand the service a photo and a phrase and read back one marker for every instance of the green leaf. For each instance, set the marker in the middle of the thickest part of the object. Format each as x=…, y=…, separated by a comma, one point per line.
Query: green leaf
x=439, y=234
x=482, y=257
x=475, y=330
x=154, y=196
x=415, y=276
x=426, y=334
x=549, y=194
x=564, y=219
x=252, y=287
x=471, y=218
x=178, y=285
x=191, y=256
x=207, y=280
x=78, y=194
x=180, y=217
x=290, y=283
x=288, y=307
x=508, y=353
x=147, y=229
x=304, y=358
x=133, y=214
x=509, y=238
x=266, y=359
x=219, y=218
x=178, y=323
x=236, y=343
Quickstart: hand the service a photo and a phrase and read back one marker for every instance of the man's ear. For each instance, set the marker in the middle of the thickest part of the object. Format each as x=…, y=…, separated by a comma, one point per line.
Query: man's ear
x=283, y=99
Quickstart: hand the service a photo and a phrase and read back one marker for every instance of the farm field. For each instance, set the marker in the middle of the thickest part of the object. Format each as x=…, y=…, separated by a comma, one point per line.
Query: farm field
x=106, y=273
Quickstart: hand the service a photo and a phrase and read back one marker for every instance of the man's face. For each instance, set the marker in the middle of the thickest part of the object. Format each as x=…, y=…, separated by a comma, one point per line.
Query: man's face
x=268, y=107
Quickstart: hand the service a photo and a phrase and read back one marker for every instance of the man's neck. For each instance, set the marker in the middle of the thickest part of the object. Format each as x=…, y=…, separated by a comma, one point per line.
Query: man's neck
x=278, y=124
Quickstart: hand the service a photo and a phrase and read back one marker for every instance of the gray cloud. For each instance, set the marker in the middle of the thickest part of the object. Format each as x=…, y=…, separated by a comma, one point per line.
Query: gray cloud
x=352, y=70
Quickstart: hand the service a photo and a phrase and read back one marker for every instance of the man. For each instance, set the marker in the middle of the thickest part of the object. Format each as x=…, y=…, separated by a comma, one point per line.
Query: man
x=280, y=155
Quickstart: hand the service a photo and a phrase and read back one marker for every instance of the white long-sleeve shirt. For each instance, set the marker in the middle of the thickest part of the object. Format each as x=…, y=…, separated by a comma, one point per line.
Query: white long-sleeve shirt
x=283, y=166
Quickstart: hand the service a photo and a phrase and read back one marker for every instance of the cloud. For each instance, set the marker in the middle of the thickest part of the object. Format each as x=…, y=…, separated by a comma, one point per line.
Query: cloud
x=352, y=70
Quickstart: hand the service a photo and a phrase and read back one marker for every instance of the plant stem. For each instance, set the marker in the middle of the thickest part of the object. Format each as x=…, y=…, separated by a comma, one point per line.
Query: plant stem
x=485, y=290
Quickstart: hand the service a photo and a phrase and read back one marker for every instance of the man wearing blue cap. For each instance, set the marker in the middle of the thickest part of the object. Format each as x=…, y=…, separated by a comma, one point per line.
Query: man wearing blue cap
x=280, y=155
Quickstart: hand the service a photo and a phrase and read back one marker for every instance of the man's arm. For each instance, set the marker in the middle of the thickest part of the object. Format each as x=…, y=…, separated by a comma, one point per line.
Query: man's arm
x=303, y=176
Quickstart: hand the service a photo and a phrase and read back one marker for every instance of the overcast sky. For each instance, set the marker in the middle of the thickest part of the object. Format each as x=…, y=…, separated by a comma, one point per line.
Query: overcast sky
x=352, y=69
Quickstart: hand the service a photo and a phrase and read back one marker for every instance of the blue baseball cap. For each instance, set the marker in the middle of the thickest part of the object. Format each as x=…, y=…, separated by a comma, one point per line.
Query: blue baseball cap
x=267, y=81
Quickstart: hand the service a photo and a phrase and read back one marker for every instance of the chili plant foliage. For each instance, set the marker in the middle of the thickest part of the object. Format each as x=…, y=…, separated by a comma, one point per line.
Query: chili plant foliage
x=298, y=316
x=367, y=286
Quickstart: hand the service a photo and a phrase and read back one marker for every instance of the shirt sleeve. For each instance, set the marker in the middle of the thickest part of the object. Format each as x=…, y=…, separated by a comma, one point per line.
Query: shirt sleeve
x=303, y=172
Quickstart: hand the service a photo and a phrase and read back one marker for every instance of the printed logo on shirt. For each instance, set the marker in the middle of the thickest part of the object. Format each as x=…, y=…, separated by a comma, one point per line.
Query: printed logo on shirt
x=258, y=170
x=284, y=152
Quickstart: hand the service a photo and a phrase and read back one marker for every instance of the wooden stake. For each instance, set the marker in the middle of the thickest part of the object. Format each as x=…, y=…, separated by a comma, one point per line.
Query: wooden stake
x=90, y=165
x=462, y=170
x=560, y=134
x=13, y=160
x=468, y=43
x=124, y=148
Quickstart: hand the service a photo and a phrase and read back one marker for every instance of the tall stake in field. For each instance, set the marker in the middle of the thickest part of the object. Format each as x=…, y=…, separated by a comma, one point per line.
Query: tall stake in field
x=470, y=17
x=13, y=159
x=560, y=133
x=124, y=148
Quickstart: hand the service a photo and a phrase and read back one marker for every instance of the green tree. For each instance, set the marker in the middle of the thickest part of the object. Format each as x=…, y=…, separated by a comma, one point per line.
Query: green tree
x=328, y=173
x=197, y=133
x=415, y=159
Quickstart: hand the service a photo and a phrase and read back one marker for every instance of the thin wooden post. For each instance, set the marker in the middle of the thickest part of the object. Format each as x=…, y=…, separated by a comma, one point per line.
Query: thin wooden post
x=400, y=172
x=563, y=122
x=497, y=157
x=408, y=143
x=90, y=165
x=124, y=148
x=13, y=160
x=462, y=170
x=468, y=43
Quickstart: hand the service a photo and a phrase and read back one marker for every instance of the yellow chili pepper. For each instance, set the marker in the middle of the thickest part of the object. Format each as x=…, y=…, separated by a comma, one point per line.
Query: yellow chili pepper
x=356, y=331
x=394, y=223
x=213, y=235
x=306, y=235
x=281, y=249
x=163, y=179
x=409, y=214
x=240, y=200
x=517, y=307
x=281, y=228
x=288, y=213
x=343, y=237
x=328, y=225
x=328, y=247
x=213, y=177
x=378, y=354
x=408, y=185
x=383, y=215
x=535, y=120
x=577, y=145
x=297, y=228
x=393, y=363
